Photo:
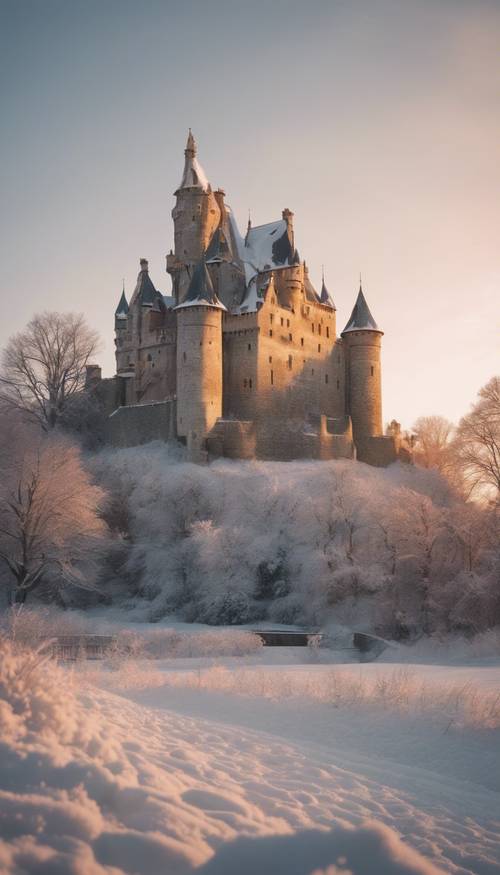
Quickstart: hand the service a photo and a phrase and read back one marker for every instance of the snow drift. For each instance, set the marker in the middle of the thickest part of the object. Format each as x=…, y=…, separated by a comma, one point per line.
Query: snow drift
x=92, y=784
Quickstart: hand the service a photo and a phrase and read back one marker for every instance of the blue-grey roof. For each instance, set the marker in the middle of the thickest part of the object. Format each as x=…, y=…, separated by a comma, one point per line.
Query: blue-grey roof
x=310, y=292
x=122, y=308
x=361, y=318
x=219, y=247
x=201, y=291
x=326, y=298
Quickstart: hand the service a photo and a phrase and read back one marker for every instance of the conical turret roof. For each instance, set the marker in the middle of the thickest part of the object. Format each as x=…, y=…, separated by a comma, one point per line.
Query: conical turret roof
x=194, y=175
x=219, y=248
x=122, y=309
x=201, y=292
x=144, y=290
x=361, y=318
x=325, y=296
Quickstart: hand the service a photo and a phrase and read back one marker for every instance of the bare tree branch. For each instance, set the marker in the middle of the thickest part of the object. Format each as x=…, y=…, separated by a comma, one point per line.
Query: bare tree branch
x=45, y=365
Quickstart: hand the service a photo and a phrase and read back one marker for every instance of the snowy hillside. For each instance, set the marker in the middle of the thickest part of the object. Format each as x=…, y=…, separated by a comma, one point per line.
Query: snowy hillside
x=391, y=550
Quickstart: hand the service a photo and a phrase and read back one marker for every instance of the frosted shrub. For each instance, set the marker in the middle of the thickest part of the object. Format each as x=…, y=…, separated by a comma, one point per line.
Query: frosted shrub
x=28, y=626
x=34, y=695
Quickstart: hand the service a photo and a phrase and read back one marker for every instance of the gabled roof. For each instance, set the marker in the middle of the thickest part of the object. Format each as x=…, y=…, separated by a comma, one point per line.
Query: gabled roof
x=194, y=175
x=201, y=291
x=122, y=309
x=325, y=296
x=361, y=318
x=267, y=246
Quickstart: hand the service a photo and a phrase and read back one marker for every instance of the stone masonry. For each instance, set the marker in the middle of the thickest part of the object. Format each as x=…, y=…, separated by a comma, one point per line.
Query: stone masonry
x=243, y=359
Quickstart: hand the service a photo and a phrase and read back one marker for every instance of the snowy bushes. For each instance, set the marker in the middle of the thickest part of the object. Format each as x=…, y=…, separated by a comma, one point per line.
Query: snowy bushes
x=301, y=542
x=34, y=696
x=28, y=626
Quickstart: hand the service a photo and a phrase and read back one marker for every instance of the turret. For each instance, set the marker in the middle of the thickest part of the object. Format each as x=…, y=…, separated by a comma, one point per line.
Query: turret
x=292, y=281
x=196, y=215
x=199, y=362
x=121, y=312
x=362, y=338
x=325, y=296
x=327, y=300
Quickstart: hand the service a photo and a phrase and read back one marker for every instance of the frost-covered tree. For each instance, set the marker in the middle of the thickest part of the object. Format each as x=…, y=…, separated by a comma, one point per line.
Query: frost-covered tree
x=50, y=524
x=302, y=542
x=432, y=444
x=44, y=366
x=477, y=444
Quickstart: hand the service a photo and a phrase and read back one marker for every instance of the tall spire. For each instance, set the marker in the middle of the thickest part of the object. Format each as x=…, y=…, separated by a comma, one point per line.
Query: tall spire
x=194, y=175
x=190, y=145
x=325, y=296
x=122, y=309
x=361, y=318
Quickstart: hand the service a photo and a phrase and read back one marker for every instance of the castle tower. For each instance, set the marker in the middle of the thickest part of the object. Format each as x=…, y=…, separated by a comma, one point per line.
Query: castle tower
x=196, y=215
x=362, y=338
x=121, y=312
x=199, y=362
x=292, y=285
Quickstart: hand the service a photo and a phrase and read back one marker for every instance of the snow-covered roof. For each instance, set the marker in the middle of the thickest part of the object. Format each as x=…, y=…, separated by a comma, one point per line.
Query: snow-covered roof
x=268, y=246
x=202, y=302
x=169, y=301
x=361, y=318
x=194, y=175
x=201, y=291
x=264, y=248
x=144, y=290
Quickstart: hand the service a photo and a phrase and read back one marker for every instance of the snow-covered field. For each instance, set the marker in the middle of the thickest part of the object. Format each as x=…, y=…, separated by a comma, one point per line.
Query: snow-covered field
x=265, y=763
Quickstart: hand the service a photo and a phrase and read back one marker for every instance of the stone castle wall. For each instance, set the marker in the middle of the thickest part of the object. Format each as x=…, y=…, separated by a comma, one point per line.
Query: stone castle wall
x=284, y=441
x=140, y=423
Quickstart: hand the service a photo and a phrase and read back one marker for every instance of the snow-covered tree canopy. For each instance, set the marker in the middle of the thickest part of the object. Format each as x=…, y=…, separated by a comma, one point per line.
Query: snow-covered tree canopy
x=308, y=542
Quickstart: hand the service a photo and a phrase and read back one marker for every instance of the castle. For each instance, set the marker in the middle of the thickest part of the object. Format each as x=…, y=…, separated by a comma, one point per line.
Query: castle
x=243, y=359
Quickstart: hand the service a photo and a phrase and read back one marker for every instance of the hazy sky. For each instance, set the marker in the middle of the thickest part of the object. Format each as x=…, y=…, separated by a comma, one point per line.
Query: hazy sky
x=376, y=121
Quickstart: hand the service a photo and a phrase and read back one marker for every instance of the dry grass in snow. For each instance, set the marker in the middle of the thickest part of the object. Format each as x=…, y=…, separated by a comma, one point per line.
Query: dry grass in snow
x=398, y=690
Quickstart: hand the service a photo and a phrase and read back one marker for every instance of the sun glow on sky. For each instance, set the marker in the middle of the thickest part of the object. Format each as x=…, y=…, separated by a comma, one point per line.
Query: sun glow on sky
x=377, y=122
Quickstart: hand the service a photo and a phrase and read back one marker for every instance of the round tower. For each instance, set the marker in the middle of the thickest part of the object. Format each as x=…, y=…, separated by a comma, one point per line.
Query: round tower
x=199, y=362
x=196, y=215
x=292, y=284
x=363, y=340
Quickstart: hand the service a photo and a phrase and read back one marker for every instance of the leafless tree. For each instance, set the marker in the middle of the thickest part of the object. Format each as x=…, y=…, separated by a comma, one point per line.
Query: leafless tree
x=433, y=436
x=477, y=444
x=43, y=367
x=50, y=525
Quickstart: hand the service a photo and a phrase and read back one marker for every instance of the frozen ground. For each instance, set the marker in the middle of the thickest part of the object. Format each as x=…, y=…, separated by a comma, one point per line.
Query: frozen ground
x=257, y=764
